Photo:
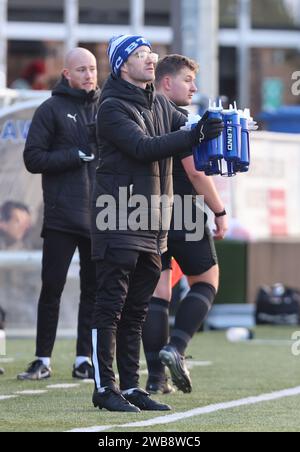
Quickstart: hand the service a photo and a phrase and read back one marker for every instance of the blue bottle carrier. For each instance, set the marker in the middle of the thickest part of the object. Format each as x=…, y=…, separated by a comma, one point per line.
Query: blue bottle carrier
x=230, y=153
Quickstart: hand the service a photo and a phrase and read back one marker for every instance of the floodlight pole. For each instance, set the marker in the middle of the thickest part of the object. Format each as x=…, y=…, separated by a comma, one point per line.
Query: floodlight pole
x=196, y=34
x=243, y=51
x=3, y=43
x=137, y=16
x=71, y=14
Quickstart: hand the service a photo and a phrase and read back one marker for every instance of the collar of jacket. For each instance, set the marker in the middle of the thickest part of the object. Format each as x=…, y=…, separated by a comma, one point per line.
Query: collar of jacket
x=63, y=88
x=119, y=88
x=182, y=110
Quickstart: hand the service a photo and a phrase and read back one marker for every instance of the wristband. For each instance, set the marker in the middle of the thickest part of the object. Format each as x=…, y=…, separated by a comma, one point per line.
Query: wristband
x=221, y=214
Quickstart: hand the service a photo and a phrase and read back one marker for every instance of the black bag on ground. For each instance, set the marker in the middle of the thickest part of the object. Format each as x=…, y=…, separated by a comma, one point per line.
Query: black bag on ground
x=277, y=305
x=2, y=318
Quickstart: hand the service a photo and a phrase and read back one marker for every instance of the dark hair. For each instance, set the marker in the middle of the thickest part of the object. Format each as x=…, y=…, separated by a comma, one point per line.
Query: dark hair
x=172, y=64
x=9, y=206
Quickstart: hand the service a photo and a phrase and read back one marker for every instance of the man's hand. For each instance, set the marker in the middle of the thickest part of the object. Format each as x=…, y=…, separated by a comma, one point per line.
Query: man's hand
x=221, y=227
x=207, y=129
x=86, y=158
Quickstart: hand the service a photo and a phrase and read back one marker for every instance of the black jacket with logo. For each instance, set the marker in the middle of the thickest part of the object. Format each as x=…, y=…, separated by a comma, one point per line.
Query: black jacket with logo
x=57, y=132
x=135, y=146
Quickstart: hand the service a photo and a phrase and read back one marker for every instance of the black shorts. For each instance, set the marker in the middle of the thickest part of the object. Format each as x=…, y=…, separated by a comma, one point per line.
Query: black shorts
x=194, y=258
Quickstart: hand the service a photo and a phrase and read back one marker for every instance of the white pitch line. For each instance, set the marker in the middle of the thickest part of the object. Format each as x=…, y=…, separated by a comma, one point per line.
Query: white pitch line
x=7, y=360
x=5, y=397
x=269, y=342
x=63, y=386
x=31, y=392
x=96, y=428
x=198, y=411
x=190, y=364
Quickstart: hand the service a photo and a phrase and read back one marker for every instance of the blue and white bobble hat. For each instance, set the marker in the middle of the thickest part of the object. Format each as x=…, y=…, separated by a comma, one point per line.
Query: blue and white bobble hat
x=121, y=47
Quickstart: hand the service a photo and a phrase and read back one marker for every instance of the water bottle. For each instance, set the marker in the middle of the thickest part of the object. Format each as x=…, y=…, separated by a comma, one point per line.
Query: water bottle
x=252, y=125
x=231, y=149
x=200, y=152
x=243, y=165
x=201, y=158
x=232, y=140
x=215, y=146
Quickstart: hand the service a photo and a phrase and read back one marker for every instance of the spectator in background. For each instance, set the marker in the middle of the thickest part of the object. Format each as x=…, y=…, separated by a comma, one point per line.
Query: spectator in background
x=15, y=222
x=33, y=77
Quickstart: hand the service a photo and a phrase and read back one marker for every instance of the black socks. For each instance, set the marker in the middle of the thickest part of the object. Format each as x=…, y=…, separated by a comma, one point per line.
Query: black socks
x=191, y=313
x=156, y=334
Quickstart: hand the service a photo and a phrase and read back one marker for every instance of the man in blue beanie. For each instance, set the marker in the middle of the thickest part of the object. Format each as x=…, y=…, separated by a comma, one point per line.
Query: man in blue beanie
x=121, y=48
x=138, y=133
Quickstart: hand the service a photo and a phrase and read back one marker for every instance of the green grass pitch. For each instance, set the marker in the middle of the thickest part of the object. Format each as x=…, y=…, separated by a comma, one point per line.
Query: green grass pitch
x=237, y=370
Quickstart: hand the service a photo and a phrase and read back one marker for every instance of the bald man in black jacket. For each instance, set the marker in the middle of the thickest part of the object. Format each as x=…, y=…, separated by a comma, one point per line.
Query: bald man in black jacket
x=58, y=146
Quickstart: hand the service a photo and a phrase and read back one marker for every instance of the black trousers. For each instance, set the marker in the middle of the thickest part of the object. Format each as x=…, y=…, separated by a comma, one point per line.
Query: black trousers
x=126, y=280
x=58, y=250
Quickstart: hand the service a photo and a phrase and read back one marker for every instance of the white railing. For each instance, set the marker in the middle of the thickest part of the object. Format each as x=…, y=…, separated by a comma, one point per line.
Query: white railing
x=12, y=96
x=27, y=258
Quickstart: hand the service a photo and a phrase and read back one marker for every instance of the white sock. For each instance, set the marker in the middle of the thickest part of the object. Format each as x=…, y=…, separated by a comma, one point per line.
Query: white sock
x=81, y=359
x=46, y=361
x=102, y=389
x=129, y=391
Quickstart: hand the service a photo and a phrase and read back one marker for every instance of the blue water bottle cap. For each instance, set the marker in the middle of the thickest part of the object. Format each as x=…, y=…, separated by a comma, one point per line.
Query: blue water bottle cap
x=233, y=113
